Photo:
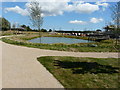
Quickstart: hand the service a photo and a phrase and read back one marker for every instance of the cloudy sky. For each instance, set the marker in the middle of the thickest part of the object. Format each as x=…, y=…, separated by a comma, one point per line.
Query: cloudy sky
x=66, y=14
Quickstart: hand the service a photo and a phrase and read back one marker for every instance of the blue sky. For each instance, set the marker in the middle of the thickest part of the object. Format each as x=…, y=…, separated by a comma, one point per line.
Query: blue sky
x=75, y=17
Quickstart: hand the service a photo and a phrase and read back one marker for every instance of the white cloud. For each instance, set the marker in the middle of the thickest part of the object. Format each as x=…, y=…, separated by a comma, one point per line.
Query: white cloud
x=77, y=22
x=52, y=7
x=96, y=20
x=58, y=0
x=92, y=20
x=85, y=8
x=14, y=0
x=58, y=8
x=55, y=7
x=104, y=4
x=18, y=10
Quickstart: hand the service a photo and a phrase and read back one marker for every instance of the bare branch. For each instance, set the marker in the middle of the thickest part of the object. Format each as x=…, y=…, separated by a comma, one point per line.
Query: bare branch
x=35, y=14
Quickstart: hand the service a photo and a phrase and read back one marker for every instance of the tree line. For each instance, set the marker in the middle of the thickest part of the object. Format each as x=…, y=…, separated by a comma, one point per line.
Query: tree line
x=6, y=25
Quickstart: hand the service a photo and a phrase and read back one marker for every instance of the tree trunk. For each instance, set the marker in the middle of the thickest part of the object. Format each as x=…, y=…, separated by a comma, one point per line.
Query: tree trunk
x=39, y=34
x=116, y=42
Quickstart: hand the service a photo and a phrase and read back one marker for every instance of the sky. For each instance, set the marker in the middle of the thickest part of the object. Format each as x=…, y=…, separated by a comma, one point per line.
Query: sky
x=67, y=15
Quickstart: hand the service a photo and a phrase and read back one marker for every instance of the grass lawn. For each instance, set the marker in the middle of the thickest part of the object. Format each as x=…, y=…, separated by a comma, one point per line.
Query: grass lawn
x=74, y=72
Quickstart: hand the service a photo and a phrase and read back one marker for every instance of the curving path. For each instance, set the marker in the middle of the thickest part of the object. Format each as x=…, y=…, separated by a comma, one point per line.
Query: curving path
x=20, y=68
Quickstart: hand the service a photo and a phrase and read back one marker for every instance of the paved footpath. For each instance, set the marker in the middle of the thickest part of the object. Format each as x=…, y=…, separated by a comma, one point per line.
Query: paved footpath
x=20, y=68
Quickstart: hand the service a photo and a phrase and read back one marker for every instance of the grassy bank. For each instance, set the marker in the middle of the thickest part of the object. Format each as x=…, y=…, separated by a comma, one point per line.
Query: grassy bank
x=75, y=72
x=105, y=46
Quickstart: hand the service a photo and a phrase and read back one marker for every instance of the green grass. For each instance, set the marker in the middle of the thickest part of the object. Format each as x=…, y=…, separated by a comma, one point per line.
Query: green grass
x=74, y=72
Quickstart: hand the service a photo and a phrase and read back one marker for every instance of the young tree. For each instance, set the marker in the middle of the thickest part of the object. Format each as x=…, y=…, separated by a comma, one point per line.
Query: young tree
x=35, y=15
x=27, y=28
x=14, y=25
x=116, y=18
x=50, y=30
x=4, y=24
x=43, y=30
x=23, y=26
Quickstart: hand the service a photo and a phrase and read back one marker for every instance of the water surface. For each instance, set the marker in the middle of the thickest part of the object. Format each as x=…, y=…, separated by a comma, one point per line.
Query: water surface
x=51, y=40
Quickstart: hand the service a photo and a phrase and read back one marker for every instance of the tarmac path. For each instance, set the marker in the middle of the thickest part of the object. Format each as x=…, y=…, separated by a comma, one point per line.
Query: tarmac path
x=20, y=68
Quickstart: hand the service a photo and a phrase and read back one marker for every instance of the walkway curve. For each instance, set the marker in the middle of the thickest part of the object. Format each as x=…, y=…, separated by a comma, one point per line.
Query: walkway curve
x=20, y=68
